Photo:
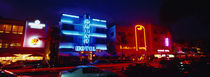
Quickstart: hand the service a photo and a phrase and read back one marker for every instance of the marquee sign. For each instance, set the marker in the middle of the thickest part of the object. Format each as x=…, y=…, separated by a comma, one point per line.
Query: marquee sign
x=36, y=25
x=85, y=48
x=20, y=57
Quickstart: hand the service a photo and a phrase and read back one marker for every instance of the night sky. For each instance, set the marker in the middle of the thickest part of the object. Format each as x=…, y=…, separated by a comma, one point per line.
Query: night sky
x=188, y=20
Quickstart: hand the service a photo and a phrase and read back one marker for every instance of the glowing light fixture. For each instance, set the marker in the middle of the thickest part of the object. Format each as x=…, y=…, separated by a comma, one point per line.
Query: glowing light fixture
x=101, y=46
x=66, y=45
x=79, y=33
x=34, y=41
x=163, y=55
x=171, y=55
x=98, y=35
x=99, y=20
x=158, y=55
x=99, y=25
x=71, y=32
x=73, y=16
x=137, y=28
x=36, y=24
x=66, y=21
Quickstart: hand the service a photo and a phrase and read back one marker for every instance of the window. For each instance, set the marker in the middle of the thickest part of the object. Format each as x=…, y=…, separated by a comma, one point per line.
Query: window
x=8, y=28
x=2, y=27
x=6, y=45
x=15, y=29
x=68, y=27
x=100, y=30
x=20, y=30
x=12, y=45
x=0, y=43
x=100, y=41
x=18, y=44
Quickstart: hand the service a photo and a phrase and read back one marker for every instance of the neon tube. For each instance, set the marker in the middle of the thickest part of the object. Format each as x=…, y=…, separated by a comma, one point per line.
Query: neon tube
x=73, y=16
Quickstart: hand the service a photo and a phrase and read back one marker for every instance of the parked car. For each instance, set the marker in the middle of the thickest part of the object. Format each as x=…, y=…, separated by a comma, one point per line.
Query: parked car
x=87, y=71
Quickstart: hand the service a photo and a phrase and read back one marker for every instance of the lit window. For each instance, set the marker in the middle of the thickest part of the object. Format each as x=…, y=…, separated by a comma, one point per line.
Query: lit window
x=15, y=44
x=6, y=45
x=8, y=28
x=14, y=29
x=18, y=44
x=20, y=30
x=12, y=45
x=2, y=27
x=0, y=43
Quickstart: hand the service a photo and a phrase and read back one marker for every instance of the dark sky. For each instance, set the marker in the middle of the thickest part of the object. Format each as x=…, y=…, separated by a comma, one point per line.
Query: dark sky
x=187, y=19
x=114, y=11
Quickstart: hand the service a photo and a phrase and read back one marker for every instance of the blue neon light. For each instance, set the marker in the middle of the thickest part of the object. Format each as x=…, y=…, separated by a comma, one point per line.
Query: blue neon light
x=101, y=47
x=66, y=45
x=86, y=31
x=103, y=20
x=86, y=25
x=99, y=20
x=79, y=33
x=71, y=32
x=85, y=48
x=98, y=35
x=73, y=16
x=99, y=25
x=66, y=21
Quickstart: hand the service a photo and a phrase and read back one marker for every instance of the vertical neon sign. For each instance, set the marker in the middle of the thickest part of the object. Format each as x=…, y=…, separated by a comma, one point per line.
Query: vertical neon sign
x=86, y=30
x=140, y=28
x=166, y=42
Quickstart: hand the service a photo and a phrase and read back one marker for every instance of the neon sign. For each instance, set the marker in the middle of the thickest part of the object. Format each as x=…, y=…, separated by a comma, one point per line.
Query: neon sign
x=86, y=30
x=140, y=28
x=36, y=24
x=34, y=41
x=126, y=47
x=85, y=48
x=21, y=57
x=166, y=42
x=70, y=15
x=87, y=33
x=162, y=50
